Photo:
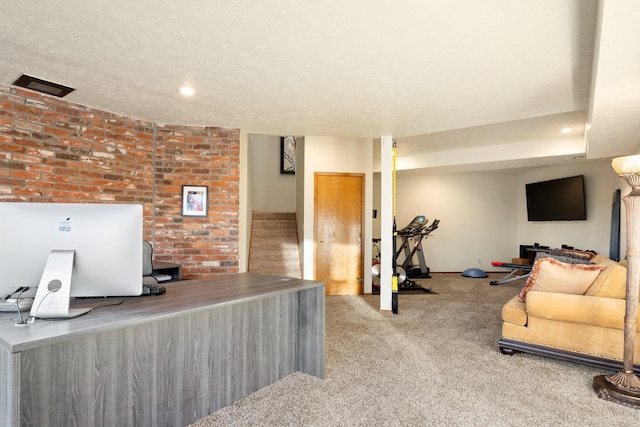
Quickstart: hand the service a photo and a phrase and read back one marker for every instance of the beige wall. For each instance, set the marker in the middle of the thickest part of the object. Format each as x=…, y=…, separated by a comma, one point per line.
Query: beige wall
x=327, y=154
x=271, y=190
x=477, y=214
x=483, y=215
x=600, y=183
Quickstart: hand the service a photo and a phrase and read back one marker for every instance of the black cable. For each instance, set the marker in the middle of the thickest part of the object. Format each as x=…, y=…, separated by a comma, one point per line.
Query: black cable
x=31, y=319
x=109, y=304
x=21, y=289
x=92, y=308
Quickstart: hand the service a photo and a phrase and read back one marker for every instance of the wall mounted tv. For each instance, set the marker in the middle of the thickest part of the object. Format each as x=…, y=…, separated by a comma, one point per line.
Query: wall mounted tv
x=557, y=200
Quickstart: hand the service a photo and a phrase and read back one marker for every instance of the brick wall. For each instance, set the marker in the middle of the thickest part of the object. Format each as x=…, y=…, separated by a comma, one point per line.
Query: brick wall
x=197, y=156
x=52, y=150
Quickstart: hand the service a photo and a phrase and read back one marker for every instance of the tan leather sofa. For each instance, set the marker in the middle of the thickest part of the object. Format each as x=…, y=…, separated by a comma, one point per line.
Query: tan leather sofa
x=585, y=328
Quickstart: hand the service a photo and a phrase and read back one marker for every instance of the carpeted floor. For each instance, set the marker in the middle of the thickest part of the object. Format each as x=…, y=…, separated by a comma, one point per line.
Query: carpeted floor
x=434, y=363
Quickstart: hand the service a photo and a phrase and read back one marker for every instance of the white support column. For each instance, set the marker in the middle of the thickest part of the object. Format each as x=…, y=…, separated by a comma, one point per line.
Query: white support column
x=386, y=223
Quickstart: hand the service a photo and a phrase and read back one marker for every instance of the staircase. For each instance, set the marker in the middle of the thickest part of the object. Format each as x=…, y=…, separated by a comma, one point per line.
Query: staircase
x=274, y=244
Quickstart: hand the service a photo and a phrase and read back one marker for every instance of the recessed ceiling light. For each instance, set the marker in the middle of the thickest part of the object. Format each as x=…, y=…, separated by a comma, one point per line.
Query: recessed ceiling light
x=187, y=91
x=566, y=130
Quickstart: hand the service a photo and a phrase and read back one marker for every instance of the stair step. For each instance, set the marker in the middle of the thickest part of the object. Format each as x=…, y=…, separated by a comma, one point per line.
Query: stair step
x=282, y=244
x=274, y=244
x=274, y=216
x=266, y=265
x=267, y=254
x=283, y=273
x=275, y=233
x=279, y=223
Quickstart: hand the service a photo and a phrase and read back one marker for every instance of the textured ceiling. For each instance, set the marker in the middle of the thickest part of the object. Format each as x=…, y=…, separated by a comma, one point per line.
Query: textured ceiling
x=437, y=75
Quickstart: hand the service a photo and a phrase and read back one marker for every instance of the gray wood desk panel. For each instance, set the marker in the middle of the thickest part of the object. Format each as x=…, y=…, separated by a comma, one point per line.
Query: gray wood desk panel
x=162, y=360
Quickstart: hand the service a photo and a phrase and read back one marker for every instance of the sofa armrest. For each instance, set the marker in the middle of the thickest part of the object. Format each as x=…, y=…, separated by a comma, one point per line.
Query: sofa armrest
x=514, y=312
x=582, y=309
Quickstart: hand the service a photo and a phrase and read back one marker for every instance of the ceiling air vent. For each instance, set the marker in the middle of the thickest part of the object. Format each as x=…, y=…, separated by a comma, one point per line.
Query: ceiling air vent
x=43, y=86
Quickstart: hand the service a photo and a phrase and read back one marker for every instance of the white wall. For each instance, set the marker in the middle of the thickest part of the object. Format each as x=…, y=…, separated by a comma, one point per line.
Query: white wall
x=477, y=213
x=600, y=183
x=246, y=206
x=483, y=215
x=343, y=155
x=271, y=191
x=300, y=200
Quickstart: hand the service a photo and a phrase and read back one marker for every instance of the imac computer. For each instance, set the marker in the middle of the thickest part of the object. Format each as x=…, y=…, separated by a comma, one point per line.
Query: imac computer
x=65, y=250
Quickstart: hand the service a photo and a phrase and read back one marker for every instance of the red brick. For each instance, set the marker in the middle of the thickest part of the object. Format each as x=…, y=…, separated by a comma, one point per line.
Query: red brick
x=93, y=155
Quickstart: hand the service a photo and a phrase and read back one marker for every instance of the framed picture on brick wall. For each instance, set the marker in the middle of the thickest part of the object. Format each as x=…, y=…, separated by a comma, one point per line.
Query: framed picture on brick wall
x=194, y=200
x=288, y=154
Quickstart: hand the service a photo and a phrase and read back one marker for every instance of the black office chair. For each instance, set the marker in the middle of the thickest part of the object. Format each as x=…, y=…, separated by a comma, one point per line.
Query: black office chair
x=147, y=264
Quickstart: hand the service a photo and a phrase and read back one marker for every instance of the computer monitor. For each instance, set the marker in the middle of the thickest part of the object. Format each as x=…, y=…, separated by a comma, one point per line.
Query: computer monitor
x=69, y=250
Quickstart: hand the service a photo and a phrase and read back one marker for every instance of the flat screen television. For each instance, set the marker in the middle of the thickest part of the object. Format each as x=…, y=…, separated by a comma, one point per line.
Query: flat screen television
x=66, y=250
x=557, y=200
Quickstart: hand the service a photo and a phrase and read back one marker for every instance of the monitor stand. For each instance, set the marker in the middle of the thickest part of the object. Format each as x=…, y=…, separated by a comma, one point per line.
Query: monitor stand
x=53, y=296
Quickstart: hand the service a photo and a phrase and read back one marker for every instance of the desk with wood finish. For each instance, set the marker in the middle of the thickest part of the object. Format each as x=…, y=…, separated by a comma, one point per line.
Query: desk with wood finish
x=165, y=359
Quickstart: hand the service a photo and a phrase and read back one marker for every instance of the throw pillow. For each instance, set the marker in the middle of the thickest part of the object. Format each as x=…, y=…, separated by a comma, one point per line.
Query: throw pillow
x=563, y=258
x=612, y=282
x=550, y=275
x=573, y=253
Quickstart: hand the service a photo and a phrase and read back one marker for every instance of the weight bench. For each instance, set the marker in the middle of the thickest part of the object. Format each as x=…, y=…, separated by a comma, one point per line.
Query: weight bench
x=512, y=274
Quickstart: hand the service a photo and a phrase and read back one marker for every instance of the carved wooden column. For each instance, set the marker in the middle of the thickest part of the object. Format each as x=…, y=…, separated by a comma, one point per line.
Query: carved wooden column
x=624, y=386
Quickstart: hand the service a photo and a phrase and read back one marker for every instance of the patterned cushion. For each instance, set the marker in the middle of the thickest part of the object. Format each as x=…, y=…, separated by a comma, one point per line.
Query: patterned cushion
x=550, y=275
x=572, y=253
x=564, y=258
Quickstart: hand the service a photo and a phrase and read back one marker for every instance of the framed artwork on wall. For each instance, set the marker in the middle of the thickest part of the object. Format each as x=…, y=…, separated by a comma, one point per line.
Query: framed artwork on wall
x=194, y=200
x=288, y=154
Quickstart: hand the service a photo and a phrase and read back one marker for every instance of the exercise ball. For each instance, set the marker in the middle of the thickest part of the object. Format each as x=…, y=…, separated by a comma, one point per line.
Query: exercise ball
x=474, y=272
